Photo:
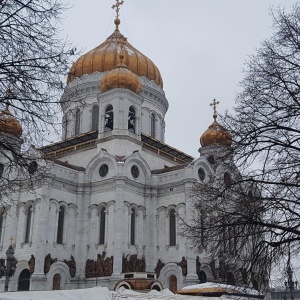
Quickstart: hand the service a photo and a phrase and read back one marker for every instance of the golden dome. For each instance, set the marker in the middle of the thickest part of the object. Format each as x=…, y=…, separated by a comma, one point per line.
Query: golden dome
x=9, y=124
x=120, y=77
x=105, y=57
x=215, y=134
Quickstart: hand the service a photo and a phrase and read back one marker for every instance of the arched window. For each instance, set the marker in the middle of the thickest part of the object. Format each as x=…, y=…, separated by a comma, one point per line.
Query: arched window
x=102, y=226
x=28, y=224
x=1, y=169
x=95, y=117
x=109, y=118
x=132, y=227
x=77, y=122
x=153, y=125
x=173, y=283
x=65, y=127
x=131, y=119
x=56, y=282
x=1, y=224
x=172, y=227
x=60, y=226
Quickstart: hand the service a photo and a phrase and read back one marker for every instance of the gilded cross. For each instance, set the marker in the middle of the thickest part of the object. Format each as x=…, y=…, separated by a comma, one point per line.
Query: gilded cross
x=11, y=240
x=214, y=105
x=117, y=7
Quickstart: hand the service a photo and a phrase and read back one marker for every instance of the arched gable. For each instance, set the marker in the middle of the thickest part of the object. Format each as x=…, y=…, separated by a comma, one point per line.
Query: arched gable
x=167, y=271
x=201, y=162
x=208, y=272
x=136, y=159
x=101, y=158
x=58, y=268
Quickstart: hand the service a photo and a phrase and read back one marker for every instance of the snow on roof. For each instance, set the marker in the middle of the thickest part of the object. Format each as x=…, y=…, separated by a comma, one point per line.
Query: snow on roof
x=218, y=287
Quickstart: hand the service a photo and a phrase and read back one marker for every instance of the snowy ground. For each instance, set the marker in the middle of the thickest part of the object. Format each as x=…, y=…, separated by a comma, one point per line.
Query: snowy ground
x=101, y=293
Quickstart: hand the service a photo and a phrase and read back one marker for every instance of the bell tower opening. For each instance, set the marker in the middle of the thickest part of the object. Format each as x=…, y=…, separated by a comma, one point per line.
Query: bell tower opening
x=131, y=119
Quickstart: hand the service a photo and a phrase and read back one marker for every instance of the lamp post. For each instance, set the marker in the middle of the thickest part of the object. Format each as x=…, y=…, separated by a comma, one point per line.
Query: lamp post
x=10, y=266
x=290, y=284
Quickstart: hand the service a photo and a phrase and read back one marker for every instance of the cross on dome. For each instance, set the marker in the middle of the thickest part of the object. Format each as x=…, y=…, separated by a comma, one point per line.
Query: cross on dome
x=214, y=105
x=116, y=7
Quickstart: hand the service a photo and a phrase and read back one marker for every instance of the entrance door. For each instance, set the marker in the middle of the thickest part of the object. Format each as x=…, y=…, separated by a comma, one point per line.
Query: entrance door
x=24, y=281
x=173, y=283
x=56, y=282
x=202, y=277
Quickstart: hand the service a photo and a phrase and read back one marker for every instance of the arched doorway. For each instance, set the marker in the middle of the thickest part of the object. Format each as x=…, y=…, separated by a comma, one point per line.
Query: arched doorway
x=24, y=280
x=173, y=283
x=202, y=277
x=230, y=278
x=56, y=282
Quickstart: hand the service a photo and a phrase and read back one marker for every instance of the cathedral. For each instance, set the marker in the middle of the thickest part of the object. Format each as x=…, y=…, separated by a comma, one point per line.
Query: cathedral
x=108, y=211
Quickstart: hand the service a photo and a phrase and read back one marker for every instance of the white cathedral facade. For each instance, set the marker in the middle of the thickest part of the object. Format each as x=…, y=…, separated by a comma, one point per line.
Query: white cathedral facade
x=108, y=211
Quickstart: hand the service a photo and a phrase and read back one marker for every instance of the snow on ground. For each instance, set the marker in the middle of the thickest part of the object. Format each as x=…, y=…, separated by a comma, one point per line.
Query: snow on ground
x=101, y=293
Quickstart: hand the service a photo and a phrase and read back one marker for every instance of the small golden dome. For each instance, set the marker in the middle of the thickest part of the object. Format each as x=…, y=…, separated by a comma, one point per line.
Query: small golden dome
x=215, y=134
x=105, y=57
x=120, y=77
x=9, y=124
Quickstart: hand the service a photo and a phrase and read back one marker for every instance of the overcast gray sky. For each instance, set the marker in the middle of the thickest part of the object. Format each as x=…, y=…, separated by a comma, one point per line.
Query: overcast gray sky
x=199, y=46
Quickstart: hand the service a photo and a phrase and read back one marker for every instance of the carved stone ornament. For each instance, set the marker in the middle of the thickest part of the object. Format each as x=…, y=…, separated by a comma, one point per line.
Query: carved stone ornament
x=198, y=265
x=103, y=266
x=133, y=264
x=31, y=264
x=48, y=262
x=158, y=267
x=72, y=265
x=183, y=265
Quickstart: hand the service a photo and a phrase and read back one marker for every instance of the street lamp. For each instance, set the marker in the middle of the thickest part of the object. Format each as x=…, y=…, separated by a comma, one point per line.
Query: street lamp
x=290, y=284
x=10, y=265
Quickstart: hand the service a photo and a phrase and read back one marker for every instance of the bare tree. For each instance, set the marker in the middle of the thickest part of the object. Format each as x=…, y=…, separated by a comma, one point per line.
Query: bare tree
x=260, y=208
x=33, y=64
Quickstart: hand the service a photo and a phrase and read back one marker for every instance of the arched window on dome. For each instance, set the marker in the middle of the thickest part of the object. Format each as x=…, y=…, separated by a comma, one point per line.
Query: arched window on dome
x=102, y=226
x=95, y=117
x=109, y=118
x=60, y=225
x=77, y=122
x=28, y=224
x=153, y=125
x=131, y=119
x=132, y=227
x=172, y=226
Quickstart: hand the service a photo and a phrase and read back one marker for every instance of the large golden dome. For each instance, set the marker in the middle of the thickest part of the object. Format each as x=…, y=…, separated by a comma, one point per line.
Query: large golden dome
x=215, y=135
x=9, y=124
x=106, y=56
x=120, y=77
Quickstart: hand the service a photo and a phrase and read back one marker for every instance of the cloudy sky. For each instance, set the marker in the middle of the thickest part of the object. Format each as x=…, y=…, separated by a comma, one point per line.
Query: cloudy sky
x=200, y=47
